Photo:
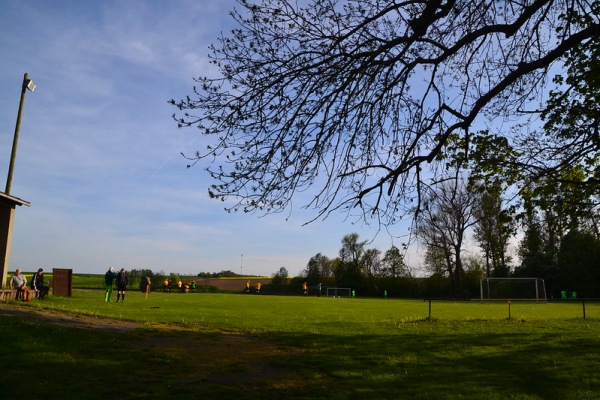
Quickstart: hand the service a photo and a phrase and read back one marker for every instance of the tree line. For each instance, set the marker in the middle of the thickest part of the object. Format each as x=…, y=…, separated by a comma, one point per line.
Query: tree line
x=559, y=244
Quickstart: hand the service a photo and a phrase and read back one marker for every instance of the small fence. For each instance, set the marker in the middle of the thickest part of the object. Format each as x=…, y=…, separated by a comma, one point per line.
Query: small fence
x=509, y=302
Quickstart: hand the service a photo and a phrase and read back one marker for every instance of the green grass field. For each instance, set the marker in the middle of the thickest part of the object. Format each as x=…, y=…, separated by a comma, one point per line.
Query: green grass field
x=277, y=347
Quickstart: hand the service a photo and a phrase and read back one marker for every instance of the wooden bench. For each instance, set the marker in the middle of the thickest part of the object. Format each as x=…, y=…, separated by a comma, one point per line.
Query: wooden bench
x=7, y=294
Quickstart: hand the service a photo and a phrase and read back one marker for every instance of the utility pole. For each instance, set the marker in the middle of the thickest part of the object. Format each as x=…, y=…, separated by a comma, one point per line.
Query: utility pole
x=28, y=84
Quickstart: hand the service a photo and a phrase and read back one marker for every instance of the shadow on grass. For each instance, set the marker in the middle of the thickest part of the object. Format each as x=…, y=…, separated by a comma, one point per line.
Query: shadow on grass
x=424, y=361
x=479, y=366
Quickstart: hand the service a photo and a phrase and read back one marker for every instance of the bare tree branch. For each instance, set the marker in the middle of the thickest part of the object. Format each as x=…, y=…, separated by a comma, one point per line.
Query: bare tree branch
x=357, y=102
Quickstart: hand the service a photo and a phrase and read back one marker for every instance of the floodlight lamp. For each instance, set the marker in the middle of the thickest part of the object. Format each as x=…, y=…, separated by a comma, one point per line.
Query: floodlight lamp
x=30, y=84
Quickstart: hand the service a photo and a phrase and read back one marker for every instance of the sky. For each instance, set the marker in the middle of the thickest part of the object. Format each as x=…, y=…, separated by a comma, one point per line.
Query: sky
x=99, y=155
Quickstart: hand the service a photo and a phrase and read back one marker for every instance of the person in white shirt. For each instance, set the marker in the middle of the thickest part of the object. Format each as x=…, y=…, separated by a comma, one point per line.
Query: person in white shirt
x=19, y=283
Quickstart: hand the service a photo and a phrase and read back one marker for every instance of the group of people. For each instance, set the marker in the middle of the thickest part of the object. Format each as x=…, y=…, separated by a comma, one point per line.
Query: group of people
x=257, y=287
x=181, y=287
x=305, y=289
x=18, y=282
x=564, y=295
x=122, y=282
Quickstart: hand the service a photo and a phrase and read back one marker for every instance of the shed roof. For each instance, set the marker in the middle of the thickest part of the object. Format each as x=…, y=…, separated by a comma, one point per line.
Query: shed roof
x=13, y=201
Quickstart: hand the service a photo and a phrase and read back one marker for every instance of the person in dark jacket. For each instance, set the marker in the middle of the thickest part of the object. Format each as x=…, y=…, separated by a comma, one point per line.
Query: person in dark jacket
x=122, y=282
x=37, y=284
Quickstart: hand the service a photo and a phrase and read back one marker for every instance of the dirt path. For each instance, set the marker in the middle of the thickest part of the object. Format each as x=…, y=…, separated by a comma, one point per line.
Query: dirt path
x=66, y=319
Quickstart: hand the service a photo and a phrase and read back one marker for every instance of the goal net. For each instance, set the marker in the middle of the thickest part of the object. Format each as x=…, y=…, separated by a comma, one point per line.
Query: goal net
x=338, y=292
x=513, y=289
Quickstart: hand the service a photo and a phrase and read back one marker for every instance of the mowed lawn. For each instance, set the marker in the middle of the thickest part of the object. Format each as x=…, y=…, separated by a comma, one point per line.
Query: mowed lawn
x=291, y=347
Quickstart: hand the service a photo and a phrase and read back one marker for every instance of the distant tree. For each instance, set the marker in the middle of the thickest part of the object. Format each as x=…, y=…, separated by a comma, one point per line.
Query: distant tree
x=371, y=262
x=137, y=277
x=492, y=231
x=227, y=274
x=282, y=273
x=352, y=250
x=279, y=279
x=536, y=259
x=361, y=101
x=318, y=269
x=139, y=273
x=578, y=266
x=222, y=274
x=552, y=209
x=393, y=264
x=338, y=269
x=447, y=214
x=436, y=260
x=473, y=274
x=352, y=268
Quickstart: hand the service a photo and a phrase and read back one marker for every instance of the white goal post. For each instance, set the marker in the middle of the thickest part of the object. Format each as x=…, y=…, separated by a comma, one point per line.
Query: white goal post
x=338, y=292
x=533, y=289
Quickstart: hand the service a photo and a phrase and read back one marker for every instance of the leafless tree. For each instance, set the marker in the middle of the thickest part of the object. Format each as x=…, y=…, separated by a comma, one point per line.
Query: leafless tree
x=371, y=261
x=447, y=214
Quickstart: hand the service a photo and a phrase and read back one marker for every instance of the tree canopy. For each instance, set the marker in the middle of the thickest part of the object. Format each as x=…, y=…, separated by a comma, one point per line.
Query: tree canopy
x=557, y=165
x=364, y=102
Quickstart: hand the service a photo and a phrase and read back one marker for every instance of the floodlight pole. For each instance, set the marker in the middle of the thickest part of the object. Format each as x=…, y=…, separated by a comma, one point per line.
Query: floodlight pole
x=8, y=203
x=27, y=84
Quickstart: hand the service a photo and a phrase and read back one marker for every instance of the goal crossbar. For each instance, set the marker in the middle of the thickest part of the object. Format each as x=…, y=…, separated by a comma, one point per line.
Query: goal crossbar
x=532, y=289
x=337, y=292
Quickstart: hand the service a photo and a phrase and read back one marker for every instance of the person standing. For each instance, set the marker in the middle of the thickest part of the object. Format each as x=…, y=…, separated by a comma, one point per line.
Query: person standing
x=305, y=288
x=37, y=284
x=145, y=284
x=19, y=283
x=122, y=282
x=109, y=277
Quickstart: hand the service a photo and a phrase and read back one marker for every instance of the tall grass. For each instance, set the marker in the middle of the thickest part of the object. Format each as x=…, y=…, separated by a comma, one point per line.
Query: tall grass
x=308, y=347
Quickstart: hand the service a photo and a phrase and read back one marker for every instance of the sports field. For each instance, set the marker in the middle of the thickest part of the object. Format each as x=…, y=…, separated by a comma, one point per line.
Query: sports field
x=283, y=347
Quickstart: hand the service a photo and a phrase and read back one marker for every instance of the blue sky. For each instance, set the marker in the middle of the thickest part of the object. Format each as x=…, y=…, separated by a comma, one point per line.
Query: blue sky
x=99, y=155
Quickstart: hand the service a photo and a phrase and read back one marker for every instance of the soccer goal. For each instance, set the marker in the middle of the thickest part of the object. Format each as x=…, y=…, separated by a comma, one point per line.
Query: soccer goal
x=532, y=289
x=338, y=292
